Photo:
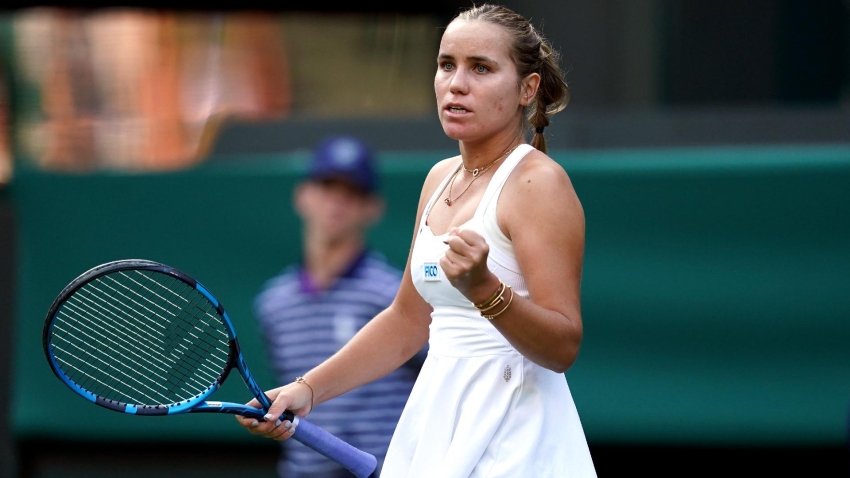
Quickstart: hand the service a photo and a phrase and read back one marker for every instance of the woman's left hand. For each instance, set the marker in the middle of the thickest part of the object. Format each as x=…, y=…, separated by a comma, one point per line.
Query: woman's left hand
x=465, y=265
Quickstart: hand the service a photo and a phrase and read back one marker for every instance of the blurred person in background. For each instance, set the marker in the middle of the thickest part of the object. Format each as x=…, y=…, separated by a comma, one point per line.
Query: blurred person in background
x=314, y=307
x=142, y=89
x=492, y=282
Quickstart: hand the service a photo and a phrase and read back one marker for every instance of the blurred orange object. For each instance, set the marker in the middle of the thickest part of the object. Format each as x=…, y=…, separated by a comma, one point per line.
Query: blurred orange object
x=141, y=89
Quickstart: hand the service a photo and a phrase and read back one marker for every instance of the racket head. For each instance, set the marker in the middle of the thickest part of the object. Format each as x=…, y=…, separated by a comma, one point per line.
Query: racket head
x=139, y=337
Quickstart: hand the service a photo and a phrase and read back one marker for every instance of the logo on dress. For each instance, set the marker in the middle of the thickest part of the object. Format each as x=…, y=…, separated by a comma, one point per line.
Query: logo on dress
x=507, y=374
x=431, y=271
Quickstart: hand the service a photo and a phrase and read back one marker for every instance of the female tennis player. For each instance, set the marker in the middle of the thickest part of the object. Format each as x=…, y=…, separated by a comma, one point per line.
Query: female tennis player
x=492, y=282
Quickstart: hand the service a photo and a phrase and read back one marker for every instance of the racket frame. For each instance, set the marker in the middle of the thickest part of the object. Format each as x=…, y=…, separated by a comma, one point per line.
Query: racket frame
x=196, y=404
x=360, y=463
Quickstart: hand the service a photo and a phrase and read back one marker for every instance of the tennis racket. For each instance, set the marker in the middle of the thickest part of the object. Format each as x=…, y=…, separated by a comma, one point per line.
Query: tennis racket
x=143, y=338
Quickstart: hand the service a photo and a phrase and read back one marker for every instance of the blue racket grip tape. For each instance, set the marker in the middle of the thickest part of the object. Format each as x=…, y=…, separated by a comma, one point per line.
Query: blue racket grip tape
x=359, y=462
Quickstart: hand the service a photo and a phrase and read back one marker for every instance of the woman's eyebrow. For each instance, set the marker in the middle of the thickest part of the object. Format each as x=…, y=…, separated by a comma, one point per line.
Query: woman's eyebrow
x=475, y=58
x=482, y=59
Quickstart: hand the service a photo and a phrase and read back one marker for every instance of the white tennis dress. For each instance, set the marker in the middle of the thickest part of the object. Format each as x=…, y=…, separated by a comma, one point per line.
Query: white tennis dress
x=479, y=408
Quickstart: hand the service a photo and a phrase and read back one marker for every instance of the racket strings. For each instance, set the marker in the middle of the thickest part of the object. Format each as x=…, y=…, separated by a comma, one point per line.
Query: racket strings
x=140, y=337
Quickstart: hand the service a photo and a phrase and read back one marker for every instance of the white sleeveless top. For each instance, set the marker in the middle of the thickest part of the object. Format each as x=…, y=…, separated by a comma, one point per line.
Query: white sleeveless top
x=479, y=408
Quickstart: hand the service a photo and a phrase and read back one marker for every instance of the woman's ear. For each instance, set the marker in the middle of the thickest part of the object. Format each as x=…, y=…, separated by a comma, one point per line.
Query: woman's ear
x=528, y=88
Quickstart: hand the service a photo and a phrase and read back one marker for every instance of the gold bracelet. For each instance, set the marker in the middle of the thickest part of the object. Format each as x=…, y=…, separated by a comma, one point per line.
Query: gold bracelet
x=496, y=301
x=491, y=317
x=493, y=304
x=493, y=300
x=312, y=393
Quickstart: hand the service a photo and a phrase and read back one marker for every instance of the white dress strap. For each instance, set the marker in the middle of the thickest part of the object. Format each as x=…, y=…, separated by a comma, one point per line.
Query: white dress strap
x=436, y=195
x=501, y=176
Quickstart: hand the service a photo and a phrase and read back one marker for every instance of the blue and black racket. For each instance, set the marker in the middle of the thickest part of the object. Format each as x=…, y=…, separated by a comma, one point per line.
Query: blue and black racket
x=143, y=338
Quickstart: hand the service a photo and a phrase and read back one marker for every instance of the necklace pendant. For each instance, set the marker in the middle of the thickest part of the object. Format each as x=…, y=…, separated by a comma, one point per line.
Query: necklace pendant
x=448, y=202
x=475, y=172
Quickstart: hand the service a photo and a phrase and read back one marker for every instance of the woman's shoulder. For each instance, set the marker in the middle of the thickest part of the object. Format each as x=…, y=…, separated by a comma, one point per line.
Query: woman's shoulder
x=540, y=192
x=443, y=167
x=537, y=180
x=539, y=169
x=436, y=175
x=439, y=172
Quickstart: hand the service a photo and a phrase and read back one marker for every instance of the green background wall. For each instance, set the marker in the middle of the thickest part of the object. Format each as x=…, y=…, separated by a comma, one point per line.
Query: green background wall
x=716, y=289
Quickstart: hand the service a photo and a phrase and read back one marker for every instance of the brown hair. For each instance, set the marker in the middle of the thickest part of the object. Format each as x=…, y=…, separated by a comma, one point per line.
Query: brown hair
x=531, y=53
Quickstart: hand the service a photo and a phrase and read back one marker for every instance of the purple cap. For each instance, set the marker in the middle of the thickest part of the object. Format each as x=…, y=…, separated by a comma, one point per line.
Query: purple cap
x=345, y=158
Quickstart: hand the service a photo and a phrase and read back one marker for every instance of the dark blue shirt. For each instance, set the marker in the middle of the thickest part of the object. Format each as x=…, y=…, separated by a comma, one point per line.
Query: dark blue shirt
x=303, y=326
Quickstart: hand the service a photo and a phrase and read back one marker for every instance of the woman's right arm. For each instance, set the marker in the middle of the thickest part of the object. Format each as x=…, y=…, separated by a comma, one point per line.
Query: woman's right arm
x=384, y=344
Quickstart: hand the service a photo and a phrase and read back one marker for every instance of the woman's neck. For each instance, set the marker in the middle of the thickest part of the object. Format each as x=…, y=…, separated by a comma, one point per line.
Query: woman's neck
x=477, y=155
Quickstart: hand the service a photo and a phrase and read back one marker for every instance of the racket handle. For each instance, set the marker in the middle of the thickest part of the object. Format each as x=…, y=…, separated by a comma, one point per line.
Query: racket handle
x=359, y=462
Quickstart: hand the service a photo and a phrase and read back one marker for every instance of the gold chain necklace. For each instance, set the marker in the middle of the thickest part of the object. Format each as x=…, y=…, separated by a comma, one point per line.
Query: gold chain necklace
x=476, y=173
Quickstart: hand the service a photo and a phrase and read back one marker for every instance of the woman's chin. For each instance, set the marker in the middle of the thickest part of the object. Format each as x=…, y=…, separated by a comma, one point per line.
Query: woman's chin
x=456, y=133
